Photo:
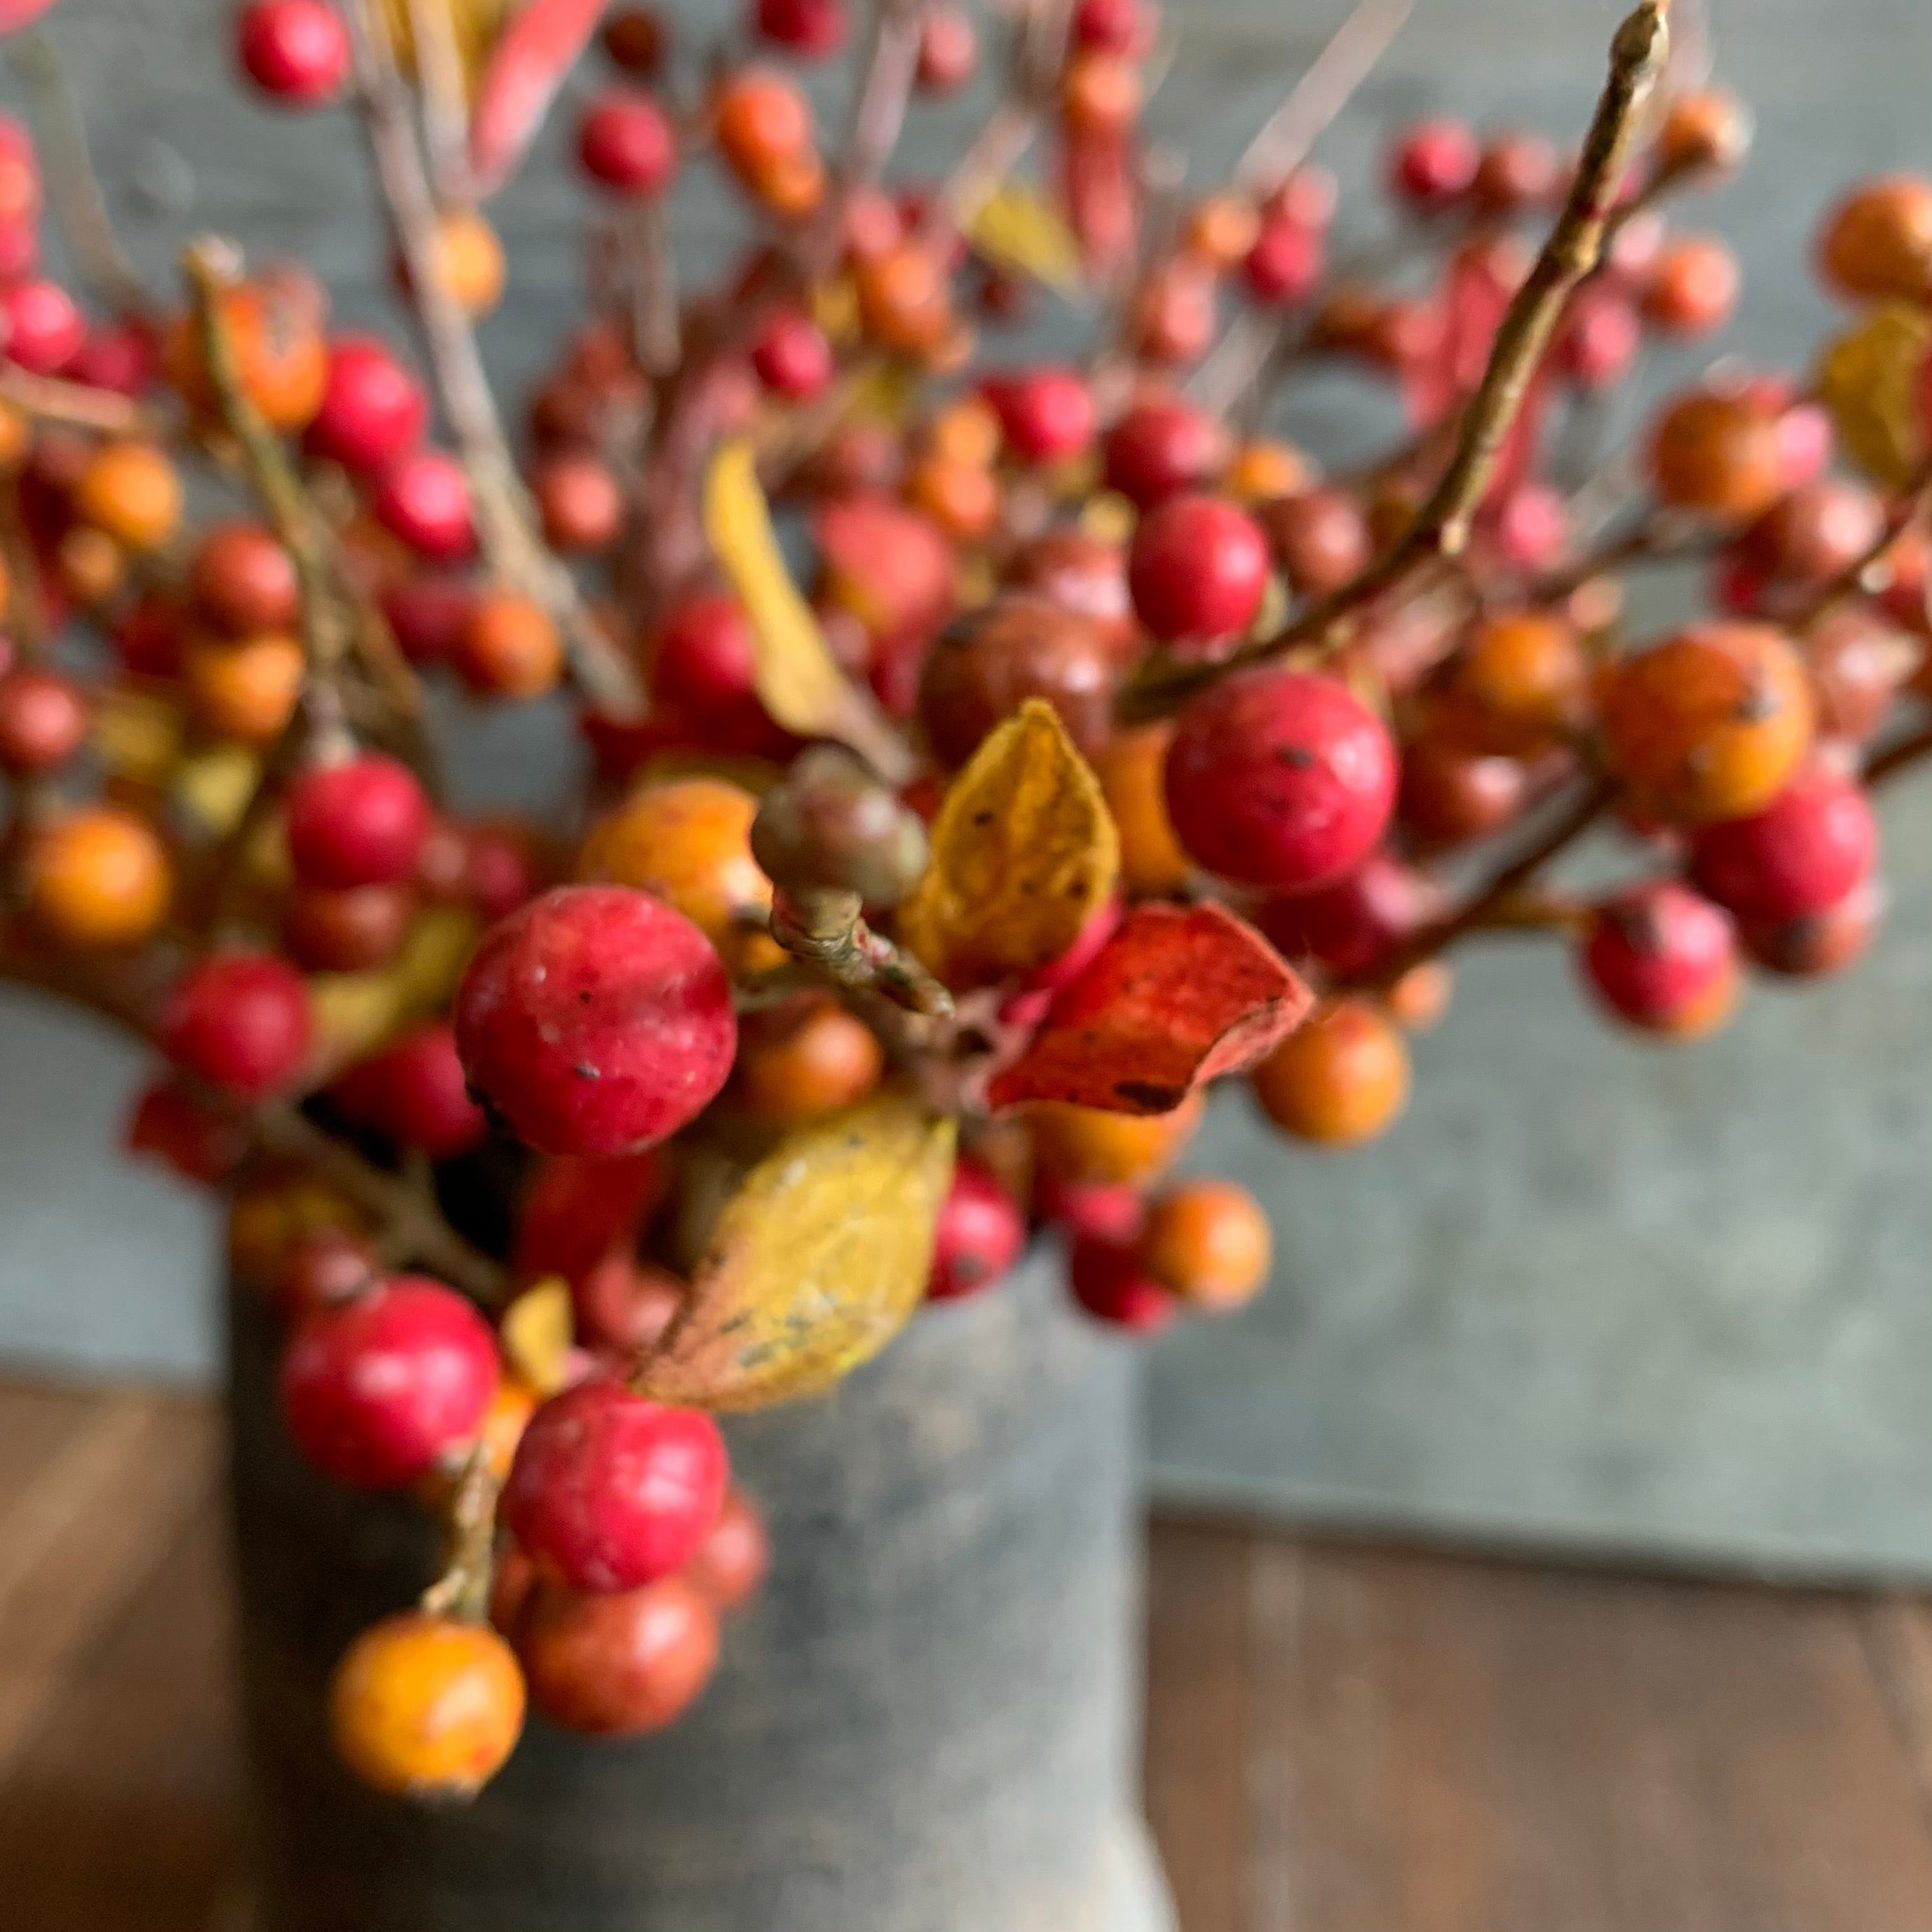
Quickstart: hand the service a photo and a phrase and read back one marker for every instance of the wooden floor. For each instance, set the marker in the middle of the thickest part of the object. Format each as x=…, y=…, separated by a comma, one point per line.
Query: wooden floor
x=1339, y=1739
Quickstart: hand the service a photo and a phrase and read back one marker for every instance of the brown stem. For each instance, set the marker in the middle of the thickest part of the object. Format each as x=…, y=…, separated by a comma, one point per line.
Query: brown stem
x=1903, y=511
x=444, y=97
x=77, y=405
x=26, y=606
x=879, y=107
x=470, y=1559
x=652, y=279
x=1900, y=755
x=827, y=931
x=1440, y=528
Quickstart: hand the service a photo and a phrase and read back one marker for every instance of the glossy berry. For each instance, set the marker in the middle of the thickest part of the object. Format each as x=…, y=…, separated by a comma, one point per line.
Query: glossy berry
x=323, y=1267
x=1111, y=1210
x=595, y=1020
x=1708, y=130
x=1088, y=1146
x=241, y=1022
x=797, y=1066
x=1664, y=959
x=1814, y=843
x=982, y=668
x=792, y=358
x=243, y=580
x=425, y=1706
x=1197, y=570
x=507, y=646
x=374, y=411
x=1282, y=778
x=1857, y=660
x=98, y=877
x=1876, y=244
x=622, y=1305
x=732, y=1561
x=626, y=145
x=1693, y=289
x=949, y=51
x=43, y=721
x=1045, y=415
x=1710, y=723
x=980, y=1234
x=1161, y=449
x=609, y=1491
x=359, y=822
x=247, y=689
x=811, y=29
x=295, y=51
x=1110, y=1281
x=131, y=490
x=1435, y=163
x=423, y=498
x=1720, y=455
x=1522, y=679
x=1207, y=1242
x=581, y=501
x=1340, y=1077
x=702, y=663
x=331, y=931
x=40, y=327
x=1285, y=264
x=414, y=1091
x=620, y=1664
x=1814, y=534
x=1322, y=537
x=1815, y=944
x=1352, y=926
x=377, y=1389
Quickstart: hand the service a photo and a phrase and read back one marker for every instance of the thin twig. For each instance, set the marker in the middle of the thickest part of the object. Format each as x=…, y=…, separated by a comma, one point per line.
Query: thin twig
x=1900, y=755
x=77, y=405
x=652, y=279
x=469, y=1557
x=827, y=931
x=879, y=107
x=445, y=101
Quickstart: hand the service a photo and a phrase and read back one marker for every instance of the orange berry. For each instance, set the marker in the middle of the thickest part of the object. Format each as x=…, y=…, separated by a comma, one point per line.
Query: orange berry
x=1709, y=724
x=905, y=299
x=247, y=690
x=132, y=492
x=504, y=1421
x=1264, y=473
x=467, y=260
x=1719, y=454
x=1523, y=679
x=1419, y=999
x=1341, y=1077
x=759, y=119
x=792, y=186
x=508, y=647
x=689, y=841
x=1709, y=130
x=1129, y=766
x=966, y=431
x=1089, y=1144
x=806, y=1064
x=1099, y=94
x=1877, y=243
x=275, y=326
x=425, y=1706
x=1221, y=230
x=90, y=566
x=1208, y=1242
x=961, y=498
x=99, y=878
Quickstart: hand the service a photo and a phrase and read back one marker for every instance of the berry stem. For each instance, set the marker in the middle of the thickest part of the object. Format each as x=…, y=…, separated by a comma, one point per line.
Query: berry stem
x=469, y=1562
x=77, y=405
x=1901, y=754
x=827, y=930
x=446, y=105
x=879, y=108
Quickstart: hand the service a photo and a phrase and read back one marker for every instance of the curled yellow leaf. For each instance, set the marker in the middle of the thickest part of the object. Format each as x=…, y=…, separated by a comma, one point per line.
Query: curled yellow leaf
x=1868, y=380
x=1024, y=853
x=1018, y=228
x=816, y=1262
x=537, y=1330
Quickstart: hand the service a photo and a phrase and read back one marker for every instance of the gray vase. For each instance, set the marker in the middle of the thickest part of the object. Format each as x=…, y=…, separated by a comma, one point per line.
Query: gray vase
x=926, y=1722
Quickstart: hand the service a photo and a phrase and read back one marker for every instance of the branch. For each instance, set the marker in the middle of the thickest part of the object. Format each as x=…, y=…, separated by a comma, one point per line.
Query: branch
x=77, y=405
x=446, y=103
x=1039, y=50
x=879, y=108
x=1900, y=755
x=1441, y=526
x=827, y=930
x=469, y=1556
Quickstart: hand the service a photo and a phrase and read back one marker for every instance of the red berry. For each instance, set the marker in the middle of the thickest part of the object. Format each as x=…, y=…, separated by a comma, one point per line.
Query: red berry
x=1197, y=570
x=574, y=1211
x=581, y=501
x=1109, y=1283
x=362, y=822
x=623, y=1305
x=1601, y=337
x=617, y=1664
x=346, y=931
x=812, y=29
x=1352, y=926
x=43, y=721
x=323, y=1267
x=1285, y=265
x=1435, y=163
x=414, y=1091
x=374, y=411
x=1159, y=449
x=1280, y=778
x=1113, y=26
x=377, y=1389
x=241, y=1022
x=1107, y=1210
x=40, y=329
x=423, y=498
x=1663, y=958
x=172, y=1125
x=1046, y=414
x=980, y=1233
x=20, y=249
x=296, y=50
x=792, y=358
x=627, y=145
x=244, y=580
x=610, y=1491
x=1814, y=843
x=596, y=1021
x=1814, y=534
x=732, y=1561
x=1819, y=943
x=428, y=615
x=949, y=51
x=498, y=873
x=1323, y=537
x=125, y=357
x=702, y=664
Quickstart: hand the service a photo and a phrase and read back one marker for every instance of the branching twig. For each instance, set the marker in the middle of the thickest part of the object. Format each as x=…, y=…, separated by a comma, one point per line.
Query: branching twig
x=827, y=930
x=879, y=107
x=76, y=405
x=463, y=1590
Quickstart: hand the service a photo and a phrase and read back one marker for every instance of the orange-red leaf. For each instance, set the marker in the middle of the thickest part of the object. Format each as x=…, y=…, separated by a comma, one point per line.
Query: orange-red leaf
x=540, y=45
x=1178, y=996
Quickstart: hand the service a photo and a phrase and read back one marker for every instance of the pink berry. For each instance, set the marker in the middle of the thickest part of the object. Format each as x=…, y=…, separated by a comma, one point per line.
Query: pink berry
x=596, y=1021
x=1435, y=163
x=1353, y=926
x=1159, y=449
x=295, y=50
x=1046, y=414
x=1601, y=337
x=415, y=1092
x=123, y=357
x=626, y=144
x=1663, y=957
x=980, y=1234
x=949, y=51
x=610, y=1491
x=377, y=1388
x=1285, y=265
x=374, y=411
x=811, y=29
x=1197, y=570
x=1109, y=1283
x=1113, y=26
x=792, y=358
x=1532, y=526
x=40, y=329
x=42, y=720
x=1814, y=843
x=362, y=822
x=240, y=1021
x=424, y=500
x=1109, y=1210
x=1280, y=778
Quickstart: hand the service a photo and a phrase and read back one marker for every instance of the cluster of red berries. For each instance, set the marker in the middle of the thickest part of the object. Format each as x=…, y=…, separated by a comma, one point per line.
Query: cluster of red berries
x=227, y=830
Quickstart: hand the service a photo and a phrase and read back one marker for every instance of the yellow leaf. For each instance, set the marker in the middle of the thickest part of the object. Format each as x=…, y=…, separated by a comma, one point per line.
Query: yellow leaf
x=798, y=682
x=438, y=947
x=214, y=787
x=1024, y=853
x=1016, y=228
x=1868, y=380
x=474, y=24
x=355, y=1013
x=537, y=1331
x=137, y=736
x=815, y=1263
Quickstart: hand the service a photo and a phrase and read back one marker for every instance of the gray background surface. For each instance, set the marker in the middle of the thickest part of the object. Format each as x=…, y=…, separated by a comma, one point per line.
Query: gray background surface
x=1587, y=1293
